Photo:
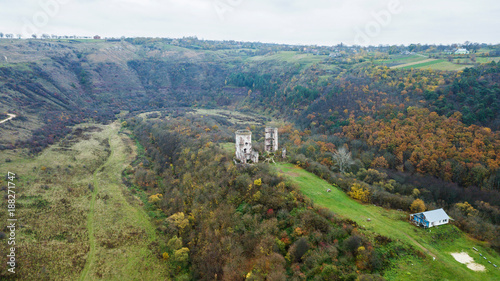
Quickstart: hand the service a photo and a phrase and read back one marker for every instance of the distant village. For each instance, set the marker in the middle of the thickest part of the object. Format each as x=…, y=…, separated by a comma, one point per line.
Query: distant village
x=338, y=51
x=56, y=37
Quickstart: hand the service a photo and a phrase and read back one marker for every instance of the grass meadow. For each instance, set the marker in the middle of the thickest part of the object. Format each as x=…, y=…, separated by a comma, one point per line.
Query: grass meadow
x=434, y=242
x=77, y=220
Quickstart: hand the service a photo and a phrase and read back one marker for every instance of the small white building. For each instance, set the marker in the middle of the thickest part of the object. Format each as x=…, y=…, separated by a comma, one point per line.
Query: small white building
x=461, y=51
x=430, y=218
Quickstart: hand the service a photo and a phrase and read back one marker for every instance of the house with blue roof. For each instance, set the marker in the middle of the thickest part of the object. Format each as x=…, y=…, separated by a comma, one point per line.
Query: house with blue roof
x=430, y=218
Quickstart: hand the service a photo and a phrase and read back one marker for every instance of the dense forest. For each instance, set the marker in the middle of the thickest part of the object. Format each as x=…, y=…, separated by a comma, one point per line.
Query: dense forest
x=237, y=222
x=474, y=209
x=387, y=109
x=194, y=187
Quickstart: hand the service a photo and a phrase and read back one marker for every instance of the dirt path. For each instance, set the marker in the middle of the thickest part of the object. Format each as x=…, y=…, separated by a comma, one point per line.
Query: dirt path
x=412, y=63
x=11, y=116
x=90, y=220
x=420, y=246
x=121, y=234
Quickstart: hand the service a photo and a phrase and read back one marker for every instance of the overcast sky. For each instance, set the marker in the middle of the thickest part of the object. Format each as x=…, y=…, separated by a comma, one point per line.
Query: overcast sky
x=320, y=22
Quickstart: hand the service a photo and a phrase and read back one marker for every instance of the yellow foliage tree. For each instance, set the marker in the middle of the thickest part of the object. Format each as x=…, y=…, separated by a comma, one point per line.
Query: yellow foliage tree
x=257, y=182
x=179, y=220
x=417, y=206
x=466, y=209
x=155, y=198
x=181, y=255
x=175, y=243
x=298, y=231
x=359, y=193
x=415, y=192
x=256, y=196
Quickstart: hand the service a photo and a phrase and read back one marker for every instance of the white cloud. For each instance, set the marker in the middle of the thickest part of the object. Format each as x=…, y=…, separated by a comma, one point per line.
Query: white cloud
x=323, y=22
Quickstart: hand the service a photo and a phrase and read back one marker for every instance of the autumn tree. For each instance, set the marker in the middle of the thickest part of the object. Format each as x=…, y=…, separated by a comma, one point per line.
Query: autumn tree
x=380, y=162
x=359, y=193
x=181, y=256
x=343, y=159
x=179, y=220
x=175, y=243
x=466, y=209
x=417, y=206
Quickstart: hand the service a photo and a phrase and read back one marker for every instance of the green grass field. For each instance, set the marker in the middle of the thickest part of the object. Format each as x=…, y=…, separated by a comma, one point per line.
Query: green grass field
x=421, y=65
x=401, y=59
x=394, y=224
x=229, y=147
x=448, y=66
x=487, y=60
x=305, y=60
x=439, y=64
x=409, y=62
x=121, y=228
x=71, y=232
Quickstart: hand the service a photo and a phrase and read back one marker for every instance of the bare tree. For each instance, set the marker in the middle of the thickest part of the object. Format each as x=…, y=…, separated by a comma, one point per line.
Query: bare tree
x=343, y=159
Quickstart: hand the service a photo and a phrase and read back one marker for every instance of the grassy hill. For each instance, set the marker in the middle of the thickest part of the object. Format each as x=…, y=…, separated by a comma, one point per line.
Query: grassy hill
x=435, y=242
x=423, y=62
x=397, y=60
x=304, y=60
x=437, y=64
x=79, y=220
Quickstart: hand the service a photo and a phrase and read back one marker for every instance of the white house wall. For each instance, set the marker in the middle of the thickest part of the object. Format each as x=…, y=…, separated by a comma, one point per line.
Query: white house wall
x=437, y=223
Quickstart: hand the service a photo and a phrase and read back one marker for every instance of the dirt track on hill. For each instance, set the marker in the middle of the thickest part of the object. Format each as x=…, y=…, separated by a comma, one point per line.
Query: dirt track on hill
x=420, y=246
x=11, y=116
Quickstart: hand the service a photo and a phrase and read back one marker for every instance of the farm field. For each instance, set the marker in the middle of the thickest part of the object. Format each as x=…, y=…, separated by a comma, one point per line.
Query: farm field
x=422, y=64
x=487, y=60
x=397, y=60
x=412, y=64
x=435, y=242
x=305, y=60
x=435, y=64
x=445, y=65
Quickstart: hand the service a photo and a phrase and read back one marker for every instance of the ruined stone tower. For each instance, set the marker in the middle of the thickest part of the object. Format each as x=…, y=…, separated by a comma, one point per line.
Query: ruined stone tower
x=244, y=150
x=271, y=139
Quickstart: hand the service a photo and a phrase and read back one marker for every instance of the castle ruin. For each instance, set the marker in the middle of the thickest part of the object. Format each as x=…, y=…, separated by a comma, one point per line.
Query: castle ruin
x=271, y=139
x=244, y=150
